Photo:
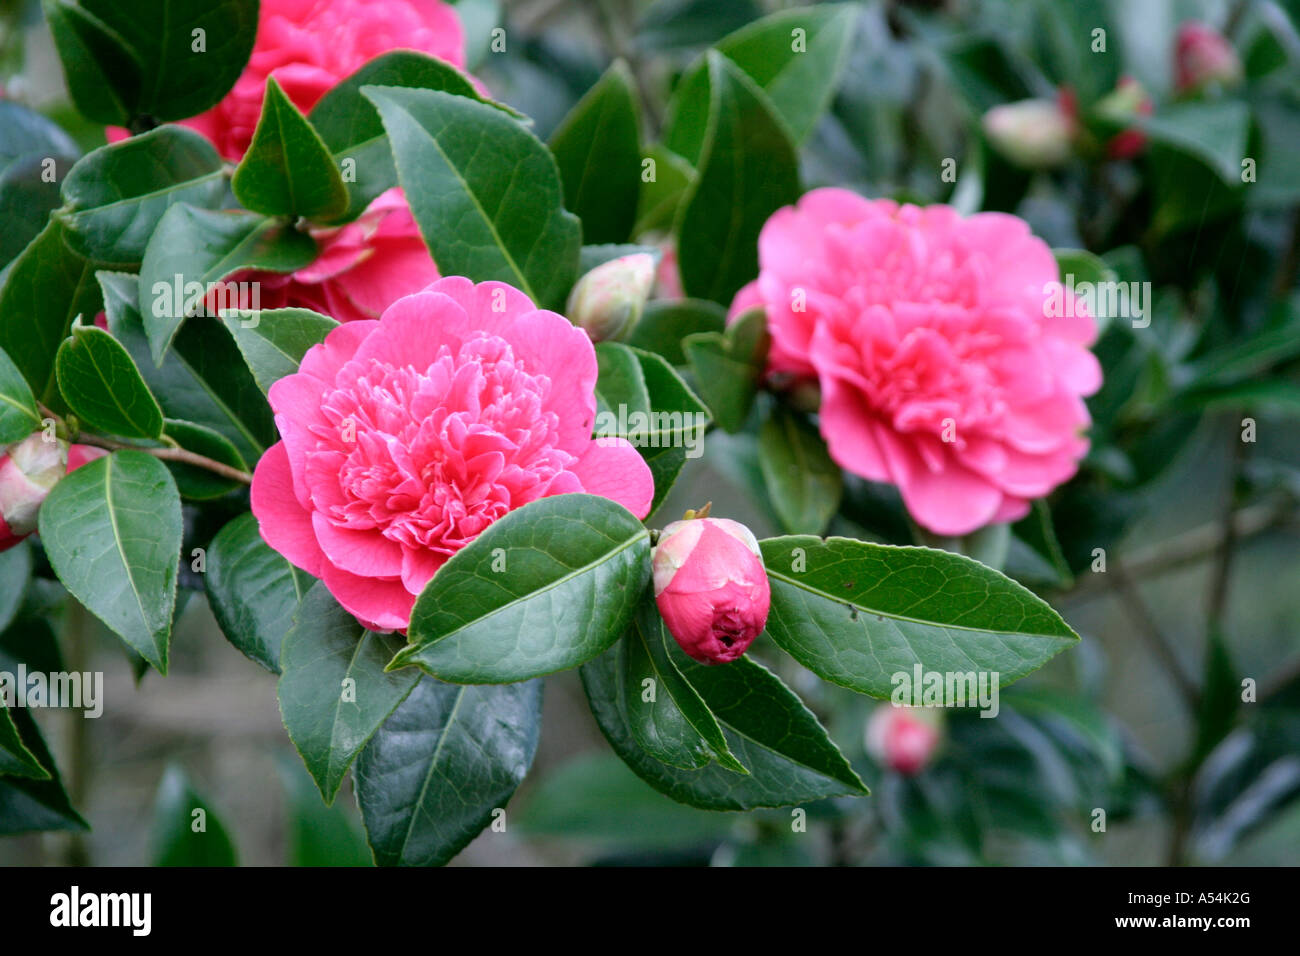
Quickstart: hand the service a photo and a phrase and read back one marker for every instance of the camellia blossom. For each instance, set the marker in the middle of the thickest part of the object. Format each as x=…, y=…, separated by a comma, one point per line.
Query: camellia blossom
x=29, y=470
x=711, y=587
x=1203, y=56
x=405, y=437
x=939, y=369
x=362, y=268
x=903, y=739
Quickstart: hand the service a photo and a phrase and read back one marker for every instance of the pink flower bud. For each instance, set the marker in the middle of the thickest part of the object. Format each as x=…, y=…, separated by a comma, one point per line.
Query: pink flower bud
x=1203, y=57
x=903, y=739
x=1033, y=134
x=28, y=470
x=608, y=300
x=711, y=587
x=1127, y=101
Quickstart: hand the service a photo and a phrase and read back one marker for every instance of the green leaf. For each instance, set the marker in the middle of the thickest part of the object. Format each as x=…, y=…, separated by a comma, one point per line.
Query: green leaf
x=1213, y=132
x=15, y=759
x=318, y=835
x=803, y=483
x=195, y=483
x=288, y=171
x=856, y=613
x=659, y=197
x=674, y=725
x=27, y=804
x=112, y=533
x=18, y=415
x=1080, y=268
x=273, y=341
x=47, y=287
x=639, y=397
x=673, y=24
x=253, y=591
x=176, y=840
x=351, y=128
x=485, y=191
x=204, y=247
x=29, y=143
x=789, y=755
x=334, y=692
x=592, y=256
x=664, y=325
x=728, y=367
x=598, y=150
x=797, y=70
x=203, y=379
x=114, y=198
x=15, y=573
x=544, y=588
x=103, y=387
x=748, y=169
x=162, y=59
x=442, y=765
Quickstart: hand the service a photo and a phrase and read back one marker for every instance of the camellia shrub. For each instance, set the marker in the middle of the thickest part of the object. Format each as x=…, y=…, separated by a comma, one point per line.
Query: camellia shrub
x=324, y=328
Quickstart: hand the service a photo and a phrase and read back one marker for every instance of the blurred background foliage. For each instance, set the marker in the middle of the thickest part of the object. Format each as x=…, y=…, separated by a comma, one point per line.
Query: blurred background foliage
x=1194, y=527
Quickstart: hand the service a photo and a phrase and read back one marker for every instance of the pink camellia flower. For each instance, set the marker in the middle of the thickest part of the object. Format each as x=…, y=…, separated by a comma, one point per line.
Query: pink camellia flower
x=29, y=469
x=405, y=437
x=711, y=587
x=929, y=334
x=1202, y=56
x=903, y=739
x=363, y=267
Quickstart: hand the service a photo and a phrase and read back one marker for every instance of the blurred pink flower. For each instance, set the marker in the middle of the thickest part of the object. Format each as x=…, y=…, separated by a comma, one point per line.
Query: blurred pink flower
x=1203, y=56
x=928, y=333
x=405, y=437
x=903, y=739
x=711, y=587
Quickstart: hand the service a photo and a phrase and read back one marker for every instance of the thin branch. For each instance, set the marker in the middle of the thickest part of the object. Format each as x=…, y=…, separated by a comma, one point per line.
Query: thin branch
x=178, y=455
x=1131, y=599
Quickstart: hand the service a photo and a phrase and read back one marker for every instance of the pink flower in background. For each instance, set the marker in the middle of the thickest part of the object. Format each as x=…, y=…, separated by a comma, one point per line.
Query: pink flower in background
x=903, y=739
x=363, y=267
x=940, y=371
x=309, y=45
x=711, y=587
x=405, y=437
x=1203, y=56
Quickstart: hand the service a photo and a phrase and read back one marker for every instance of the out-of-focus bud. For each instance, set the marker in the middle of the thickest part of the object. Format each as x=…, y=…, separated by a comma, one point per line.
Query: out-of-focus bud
x=608, y=300
x=1202, y=58
x=711, y=587
x=1033, y=134
x=1126, y=101
x=28, y=470
x=903, y=739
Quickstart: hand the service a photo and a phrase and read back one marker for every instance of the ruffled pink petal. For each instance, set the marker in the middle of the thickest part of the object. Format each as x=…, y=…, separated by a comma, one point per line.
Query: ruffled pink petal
x=618, y=472
x=284, y=524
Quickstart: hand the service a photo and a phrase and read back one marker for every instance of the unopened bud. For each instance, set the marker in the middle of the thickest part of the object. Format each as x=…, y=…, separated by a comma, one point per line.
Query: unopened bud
x=903, y=739
x=1033, y=134
x=28, y=470
x=711, y=587
x=607, y=302
x=1202, y=58
x=1127, y=101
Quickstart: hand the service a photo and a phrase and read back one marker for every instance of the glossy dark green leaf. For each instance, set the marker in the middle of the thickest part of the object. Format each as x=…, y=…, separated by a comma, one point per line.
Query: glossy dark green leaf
x=485, y=191
x=747, y=170
x=674, y=24
x=334, y=691
x=796, y=57
x=803, y=483
x=35, y=156
x=663, y=184
x=103, y=387
x=16, y=760
x=443, y=766
x=597, y=255
x=274, y=341
x=186, y=831
x=18, y=415
x=161, y=59
x=47, y=287
x=665, y=324
x=195, y=483
x=203, y=247
x=318, y=835
x=857, y=613
x=728, y=367
x=352, y=130
x=253, y=591
x=27, y=804
x=544, y=588
x=1213, y=132
x=15, y=573
x=640, y=398
x=203, y=378
x=598, y=150
x=112, y=533
x=114, y=197
x=666, y=716
x=288, y=171
x=789, y=755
